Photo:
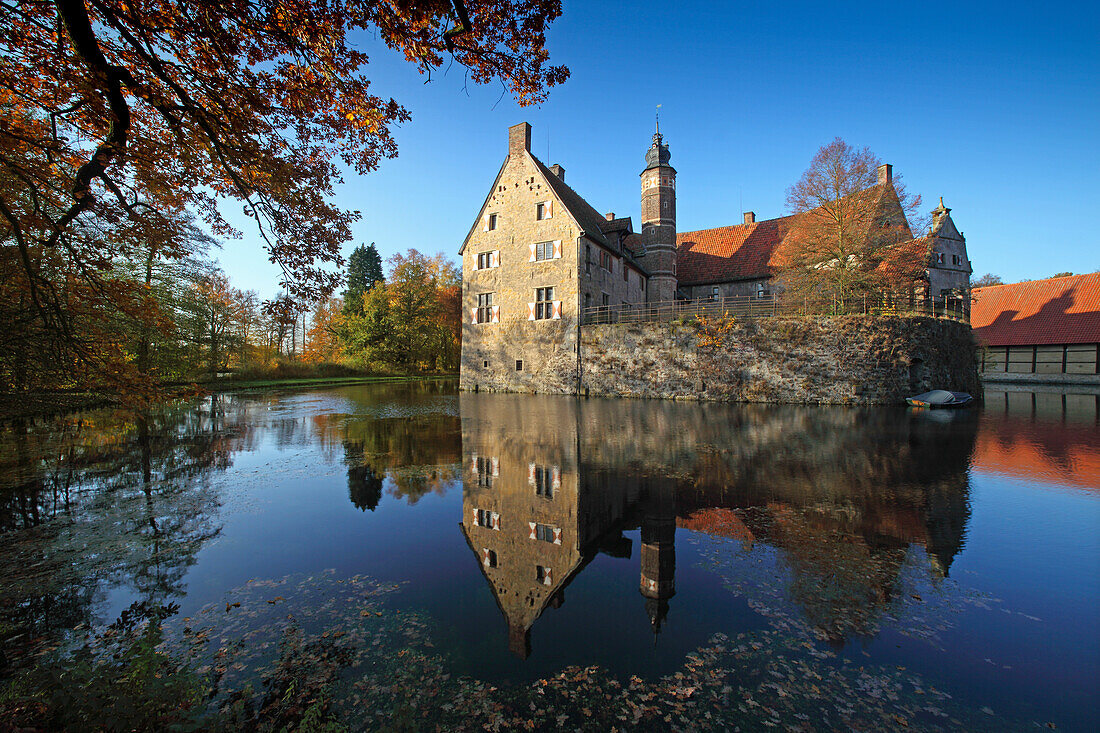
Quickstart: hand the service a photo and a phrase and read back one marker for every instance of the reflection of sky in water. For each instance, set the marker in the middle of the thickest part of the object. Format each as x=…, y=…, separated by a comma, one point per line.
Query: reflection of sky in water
x=962, y=548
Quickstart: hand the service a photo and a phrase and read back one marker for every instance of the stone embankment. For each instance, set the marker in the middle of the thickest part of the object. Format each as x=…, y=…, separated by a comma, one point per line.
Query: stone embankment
x=821, y=360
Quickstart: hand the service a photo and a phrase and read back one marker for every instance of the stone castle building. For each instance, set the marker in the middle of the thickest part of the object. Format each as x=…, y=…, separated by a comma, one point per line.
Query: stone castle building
x=538, y=255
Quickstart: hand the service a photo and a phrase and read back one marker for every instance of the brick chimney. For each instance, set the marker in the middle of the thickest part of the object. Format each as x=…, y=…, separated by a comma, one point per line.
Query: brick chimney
x=610, y=216
x=558, y=171
x=519, y=138
x=750, y=217
x=885, y=173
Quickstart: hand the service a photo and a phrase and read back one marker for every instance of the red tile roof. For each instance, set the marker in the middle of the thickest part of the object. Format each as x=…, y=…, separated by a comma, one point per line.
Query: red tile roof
x=1061, y=310
x=729, y=253
x=744, y=251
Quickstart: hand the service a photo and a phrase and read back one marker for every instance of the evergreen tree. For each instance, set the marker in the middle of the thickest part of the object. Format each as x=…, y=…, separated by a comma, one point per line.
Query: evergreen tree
x=364, y=272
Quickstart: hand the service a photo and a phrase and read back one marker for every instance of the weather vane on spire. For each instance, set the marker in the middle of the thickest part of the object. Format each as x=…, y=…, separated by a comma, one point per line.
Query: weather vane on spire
x=658, y=115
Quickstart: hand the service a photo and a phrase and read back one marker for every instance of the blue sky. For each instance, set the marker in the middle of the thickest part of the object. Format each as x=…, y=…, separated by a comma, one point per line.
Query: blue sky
x=994, y=107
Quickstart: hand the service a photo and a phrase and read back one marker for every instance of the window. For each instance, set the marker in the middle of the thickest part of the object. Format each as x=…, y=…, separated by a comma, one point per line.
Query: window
x=544, y=303
x=606, y=299
x=542, y=211
x=605, y=260
x=955, y=259
x=939, y=258
x=761, y=291
x=490, y=557
x=544, y=532
x=519, y=365
x=544, y=251
x=486, y=260
x=542, y=574
x=588, y=300
x=544, y=482
x=484, y=476
x=484, y=307
x=714, y=293
x=486, y=363
x=626, y=274
x=588, y=258
x=484, y=518
x=492, y=222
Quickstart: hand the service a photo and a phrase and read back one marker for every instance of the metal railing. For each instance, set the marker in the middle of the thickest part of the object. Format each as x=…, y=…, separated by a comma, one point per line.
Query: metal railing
x=747, y=306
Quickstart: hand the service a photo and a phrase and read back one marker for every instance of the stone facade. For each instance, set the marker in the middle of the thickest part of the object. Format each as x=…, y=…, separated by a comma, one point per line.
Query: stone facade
x=527, y=239
x=838, y=360
x=949, y=268
x=539, y=255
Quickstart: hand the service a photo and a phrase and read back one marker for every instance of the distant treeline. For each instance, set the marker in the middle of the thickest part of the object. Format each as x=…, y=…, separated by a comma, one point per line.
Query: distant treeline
x=156, y=318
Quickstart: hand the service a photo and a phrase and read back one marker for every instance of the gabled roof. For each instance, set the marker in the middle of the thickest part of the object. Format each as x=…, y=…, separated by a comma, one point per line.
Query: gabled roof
x=908, y=259
x=590, y=220
x=744, y=251
x=484, y=204
x=1059, y=310
x=750, y=251
x=619, y=224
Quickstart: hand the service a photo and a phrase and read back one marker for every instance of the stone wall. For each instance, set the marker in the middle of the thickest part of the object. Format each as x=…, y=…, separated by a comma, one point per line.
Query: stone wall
x=823, y=360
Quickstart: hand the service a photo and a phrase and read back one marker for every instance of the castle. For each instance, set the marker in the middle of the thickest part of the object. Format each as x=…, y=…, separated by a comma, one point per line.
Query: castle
x=538, y=255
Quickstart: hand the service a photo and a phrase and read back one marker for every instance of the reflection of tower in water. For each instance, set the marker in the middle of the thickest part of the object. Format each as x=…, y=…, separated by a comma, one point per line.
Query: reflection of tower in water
x=658, y=555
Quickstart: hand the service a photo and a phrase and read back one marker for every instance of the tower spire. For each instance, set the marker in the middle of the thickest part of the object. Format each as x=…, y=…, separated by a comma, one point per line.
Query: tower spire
x=659, y=218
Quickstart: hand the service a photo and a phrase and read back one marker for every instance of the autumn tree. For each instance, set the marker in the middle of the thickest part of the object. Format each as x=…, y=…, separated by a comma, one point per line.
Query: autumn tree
x=118, y=114
x=414, y=309
x=366, y=337
x=986, y=280
x=409, y=322
x=281, y=312
x=323, y=337
x=846, y=229
x=219, y=311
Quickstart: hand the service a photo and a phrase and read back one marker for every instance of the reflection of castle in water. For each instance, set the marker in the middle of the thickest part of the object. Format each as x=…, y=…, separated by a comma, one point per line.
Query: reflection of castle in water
x=550, y=482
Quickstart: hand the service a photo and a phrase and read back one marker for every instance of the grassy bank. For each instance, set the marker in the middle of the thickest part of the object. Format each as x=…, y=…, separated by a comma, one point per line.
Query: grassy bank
x=44, y=404
x=233, y=385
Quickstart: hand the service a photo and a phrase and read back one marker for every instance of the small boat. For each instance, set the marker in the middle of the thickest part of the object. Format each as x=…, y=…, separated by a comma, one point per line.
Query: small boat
x=940, y=398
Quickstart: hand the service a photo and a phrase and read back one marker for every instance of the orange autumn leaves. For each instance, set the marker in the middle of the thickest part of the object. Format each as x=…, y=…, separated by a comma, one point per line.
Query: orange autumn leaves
x=121, y=120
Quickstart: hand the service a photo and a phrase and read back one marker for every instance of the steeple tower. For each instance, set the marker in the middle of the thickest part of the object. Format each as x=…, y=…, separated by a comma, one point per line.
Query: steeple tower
x=659, y=220
x=658, y=556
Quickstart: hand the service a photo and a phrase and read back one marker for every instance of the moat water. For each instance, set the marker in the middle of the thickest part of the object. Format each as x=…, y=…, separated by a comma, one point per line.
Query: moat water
x=499, y=559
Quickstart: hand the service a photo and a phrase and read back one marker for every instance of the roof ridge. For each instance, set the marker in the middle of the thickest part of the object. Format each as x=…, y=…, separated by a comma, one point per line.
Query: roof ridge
x=588, y=217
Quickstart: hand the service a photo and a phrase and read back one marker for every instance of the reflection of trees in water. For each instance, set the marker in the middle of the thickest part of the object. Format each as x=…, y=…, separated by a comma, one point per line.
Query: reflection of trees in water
x=106, y=499
x=418, y=453
x=844, y=494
